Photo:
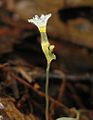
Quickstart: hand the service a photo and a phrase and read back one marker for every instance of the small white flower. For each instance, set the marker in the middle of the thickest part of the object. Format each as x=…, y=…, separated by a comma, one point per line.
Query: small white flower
x=41, y=21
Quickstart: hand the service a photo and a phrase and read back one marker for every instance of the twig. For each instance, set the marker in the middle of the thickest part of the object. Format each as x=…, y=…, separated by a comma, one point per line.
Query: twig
x=62, y=87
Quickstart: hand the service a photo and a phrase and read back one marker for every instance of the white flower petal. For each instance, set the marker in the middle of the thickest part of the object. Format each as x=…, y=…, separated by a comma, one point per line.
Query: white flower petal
x=42, y=16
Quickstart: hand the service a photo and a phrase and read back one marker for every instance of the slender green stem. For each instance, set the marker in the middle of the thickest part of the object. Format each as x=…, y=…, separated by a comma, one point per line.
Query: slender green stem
x=46, y=92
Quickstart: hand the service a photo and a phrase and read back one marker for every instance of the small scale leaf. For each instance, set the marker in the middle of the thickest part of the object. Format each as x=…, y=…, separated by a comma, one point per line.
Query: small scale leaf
x=66, y=118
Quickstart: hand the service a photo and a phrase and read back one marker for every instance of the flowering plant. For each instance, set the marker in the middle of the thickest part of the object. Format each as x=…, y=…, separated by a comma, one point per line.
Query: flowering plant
x=47, y=48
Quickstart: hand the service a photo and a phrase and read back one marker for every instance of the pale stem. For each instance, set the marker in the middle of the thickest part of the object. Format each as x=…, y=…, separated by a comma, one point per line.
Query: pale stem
x=46, y=91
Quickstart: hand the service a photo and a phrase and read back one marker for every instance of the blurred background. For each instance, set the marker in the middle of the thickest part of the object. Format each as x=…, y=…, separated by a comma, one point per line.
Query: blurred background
x=22, y=63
